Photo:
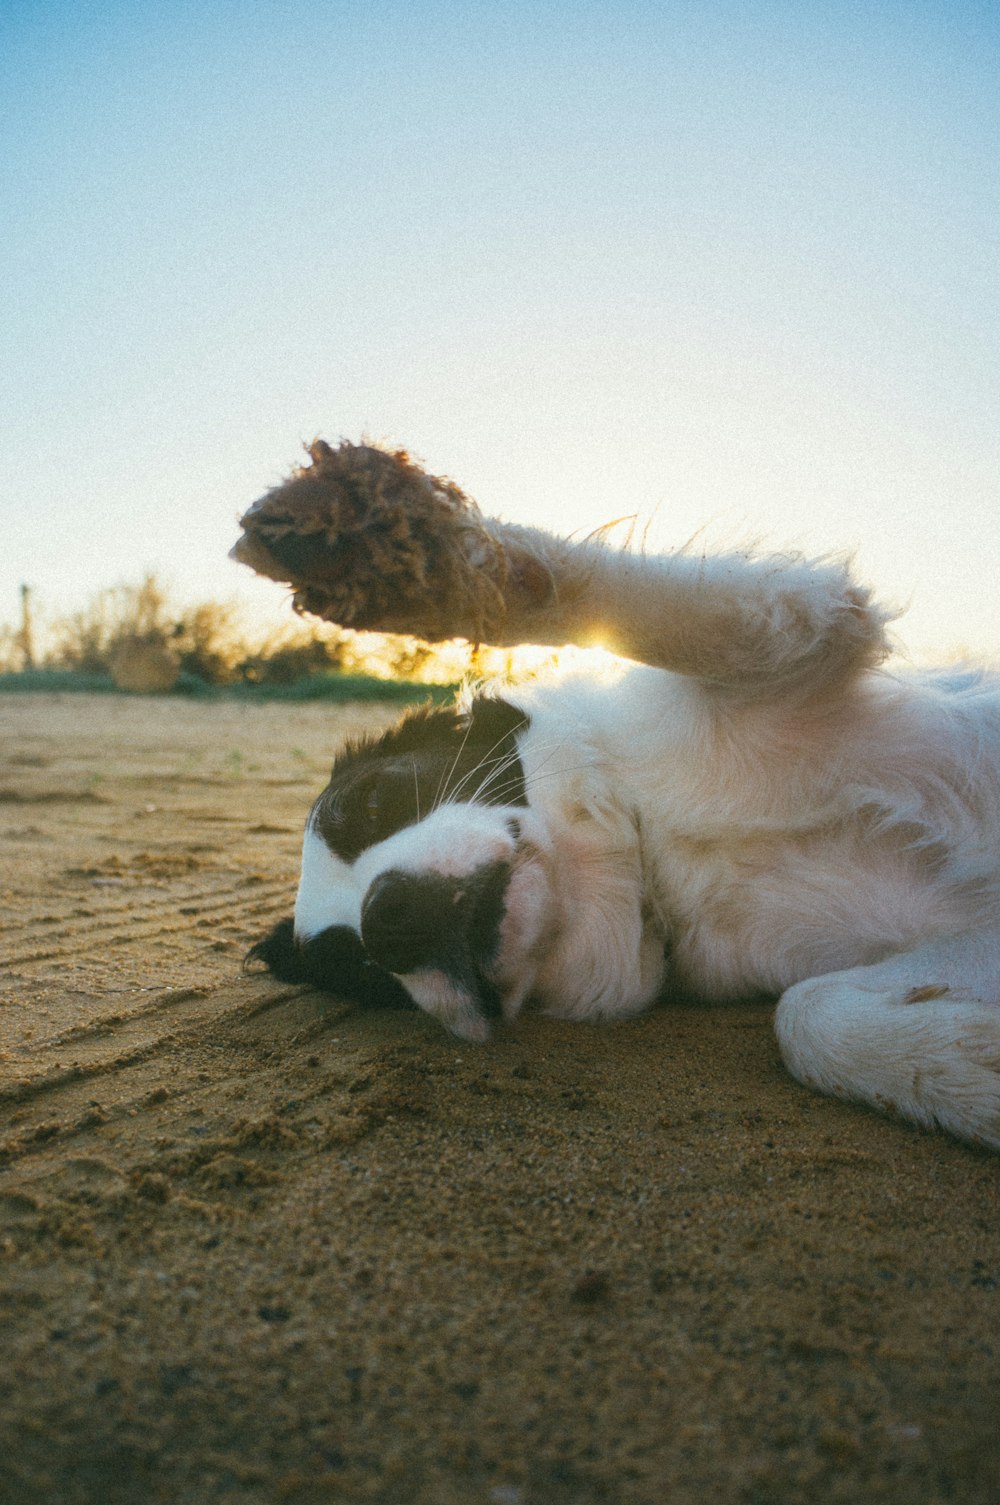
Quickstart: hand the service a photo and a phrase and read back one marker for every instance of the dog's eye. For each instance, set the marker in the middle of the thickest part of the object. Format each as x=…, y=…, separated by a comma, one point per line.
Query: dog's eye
x=369, y=810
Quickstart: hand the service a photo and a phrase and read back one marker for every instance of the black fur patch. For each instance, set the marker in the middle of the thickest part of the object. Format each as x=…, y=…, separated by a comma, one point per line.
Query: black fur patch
x=377, y=787
x=418, y=920
x=334, y=961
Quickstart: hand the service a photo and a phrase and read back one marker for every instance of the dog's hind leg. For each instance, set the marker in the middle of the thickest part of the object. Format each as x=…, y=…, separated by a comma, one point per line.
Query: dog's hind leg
x=918, y=1035
x=369, y=540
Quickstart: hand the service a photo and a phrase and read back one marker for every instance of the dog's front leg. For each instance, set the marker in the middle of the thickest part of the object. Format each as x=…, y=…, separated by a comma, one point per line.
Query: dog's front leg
x=749, y=626
x=369, y=540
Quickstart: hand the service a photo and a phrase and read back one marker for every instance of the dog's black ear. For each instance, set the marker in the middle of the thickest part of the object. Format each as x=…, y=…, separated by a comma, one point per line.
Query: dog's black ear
x=279, y=953
x=333, y=961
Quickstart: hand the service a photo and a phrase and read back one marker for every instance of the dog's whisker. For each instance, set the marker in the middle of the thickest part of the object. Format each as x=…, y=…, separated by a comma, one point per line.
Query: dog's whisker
x=447, y=773
x=499, y=770
x=451, y=795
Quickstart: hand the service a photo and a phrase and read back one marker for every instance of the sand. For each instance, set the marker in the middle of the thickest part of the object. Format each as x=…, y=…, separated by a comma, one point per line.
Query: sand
x=258, y=1247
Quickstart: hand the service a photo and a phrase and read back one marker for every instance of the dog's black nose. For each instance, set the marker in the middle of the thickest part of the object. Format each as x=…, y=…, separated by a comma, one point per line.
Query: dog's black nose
x=405, y=919
x=413, y=920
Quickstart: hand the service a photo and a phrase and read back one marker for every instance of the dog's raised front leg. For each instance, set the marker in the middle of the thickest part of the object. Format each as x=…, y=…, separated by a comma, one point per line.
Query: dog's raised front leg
x=369, y=540
x=917, y=1035
x=749, y=626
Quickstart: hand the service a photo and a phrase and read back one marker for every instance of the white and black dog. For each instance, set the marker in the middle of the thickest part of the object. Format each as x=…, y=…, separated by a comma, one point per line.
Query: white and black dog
x=753, y=806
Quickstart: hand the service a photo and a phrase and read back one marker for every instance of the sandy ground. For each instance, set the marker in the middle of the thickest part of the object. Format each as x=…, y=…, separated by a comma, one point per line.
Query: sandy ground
x=259, y=1248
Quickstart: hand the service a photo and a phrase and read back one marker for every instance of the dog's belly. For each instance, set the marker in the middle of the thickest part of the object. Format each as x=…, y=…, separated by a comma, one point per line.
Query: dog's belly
x=756, y=914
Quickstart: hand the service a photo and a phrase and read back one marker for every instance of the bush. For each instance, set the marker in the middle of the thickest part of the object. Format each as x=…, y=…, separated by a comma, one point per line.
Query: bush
x=133, y=635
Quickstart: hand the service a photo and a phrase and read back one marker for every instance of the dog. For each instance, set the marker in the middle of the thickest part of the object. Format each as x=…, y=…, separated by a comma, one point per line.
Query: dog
x=750, y=803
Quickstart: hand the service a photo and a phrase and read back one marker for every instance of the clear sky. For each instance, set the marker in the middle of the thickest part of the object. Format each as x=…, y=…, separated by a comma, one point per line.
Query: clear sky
x=734, y=266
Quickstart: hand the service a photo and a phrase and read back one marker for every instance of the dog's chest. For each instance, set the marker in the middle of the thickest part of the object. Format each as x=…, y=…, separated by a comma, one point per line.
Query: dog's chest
x=769, y=850
x=727, y=905
x=751, y=912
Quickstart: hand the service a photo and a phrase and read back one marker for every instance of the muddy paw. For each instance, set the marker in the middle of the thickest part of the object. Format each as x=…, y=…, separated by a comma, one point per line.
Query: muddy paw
x=369, y=540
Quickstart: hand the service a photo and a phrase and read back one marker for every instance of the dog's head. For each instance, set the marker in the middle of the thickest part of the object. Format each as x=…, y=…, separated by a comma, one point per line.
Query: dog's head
x=423, y=872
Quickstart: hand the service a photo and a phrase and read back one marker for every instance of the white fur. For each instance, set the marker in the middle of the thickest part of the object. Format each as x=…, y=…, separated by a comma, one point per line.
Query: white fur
x=329, y=892
x=764, y=801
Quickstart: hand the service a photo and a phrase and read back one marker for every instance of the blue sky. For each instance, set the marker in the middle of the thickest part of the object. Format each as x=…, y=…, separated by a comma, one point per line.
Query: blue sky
x=733, y=267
